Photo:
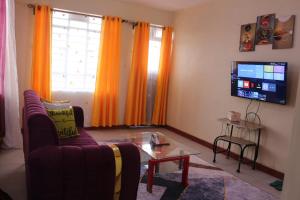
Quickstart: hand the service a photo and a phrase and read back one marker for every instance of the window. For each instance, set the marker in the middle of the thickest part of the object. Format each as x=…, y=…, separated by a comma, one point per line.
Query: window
x=153, y=66
x=75, y=46
x=154, y=50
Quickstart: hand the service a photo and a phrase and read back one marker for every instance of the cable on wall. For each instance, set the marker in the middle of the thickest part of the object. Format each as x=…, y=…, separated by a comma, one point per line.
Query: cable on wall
x=248, y=106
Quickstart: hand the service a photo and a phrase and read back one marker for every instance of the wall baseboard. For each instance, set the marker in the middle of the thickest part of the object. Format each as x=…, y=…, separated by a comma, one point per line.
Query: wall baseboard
x=90, y=128
x=122, y=127
x=233, y=155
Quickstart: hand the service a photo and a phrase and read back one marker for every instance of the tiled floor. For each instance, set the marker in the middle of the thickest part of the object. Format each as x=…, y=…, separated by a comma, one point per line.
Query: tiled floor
x=12, y=171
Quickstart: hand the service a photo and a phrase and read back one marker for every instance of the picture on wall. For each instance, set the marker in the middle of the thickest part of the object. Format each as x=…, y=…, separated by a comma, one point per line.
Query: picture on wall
x=284, y=32
x=247, y=38
x=265, y=27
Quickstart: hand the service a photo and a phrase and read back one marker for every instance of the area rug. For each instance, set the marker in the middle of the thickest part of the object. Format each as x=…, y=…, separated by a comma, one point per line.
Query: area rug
x=206, y=182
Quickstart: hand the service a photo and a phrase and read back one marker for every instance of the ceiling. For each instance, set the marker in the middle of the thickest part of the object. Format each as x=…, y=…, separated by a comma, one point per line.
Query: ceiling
x=169, y=5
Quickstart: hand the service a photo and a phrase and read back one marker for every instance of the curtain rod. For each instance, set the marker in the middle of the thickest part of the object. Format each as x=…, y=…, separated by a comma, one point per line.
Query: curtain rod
x=133, y=23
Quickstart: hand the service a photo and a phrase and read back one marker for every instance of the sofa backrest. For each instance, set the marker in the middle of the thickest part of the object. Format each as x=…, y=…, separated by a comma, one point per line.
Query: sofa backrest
x=38, y=129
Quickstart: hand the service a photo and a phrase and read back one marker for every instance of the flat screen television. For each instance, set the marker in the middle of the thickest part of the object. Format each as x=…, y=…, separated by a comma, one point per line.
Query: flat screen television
x=263, y=81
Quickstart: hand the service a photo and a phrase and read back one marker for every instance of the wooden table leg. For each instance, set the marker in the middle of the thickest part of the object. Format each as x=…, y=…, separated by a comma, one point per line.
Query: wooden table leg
x=151, y=168
x=185, y=171
x=156, y=170
x=151, y=164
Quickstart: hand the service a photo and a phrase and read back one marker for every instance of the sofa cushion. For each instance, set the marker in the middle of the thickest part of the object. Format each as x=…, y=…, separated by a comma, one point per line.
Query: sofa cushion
x=81, y=140
x=64, y=122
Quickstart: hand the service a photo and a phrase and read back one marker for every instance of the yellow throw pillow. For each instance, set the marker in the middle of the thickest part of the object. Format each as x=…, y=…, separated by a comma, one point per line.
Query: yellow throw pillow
x=64, y=121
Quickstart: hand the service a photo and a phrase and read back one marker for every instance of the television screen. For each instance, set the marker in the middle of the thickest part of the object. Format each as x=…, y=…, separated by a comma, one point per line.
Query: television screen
x=264, y=81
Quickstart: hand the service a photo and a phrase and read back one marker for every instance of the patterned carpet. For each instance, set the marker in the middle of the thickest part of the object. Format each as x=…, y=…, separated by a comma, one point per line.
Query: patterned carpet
x=206, y=182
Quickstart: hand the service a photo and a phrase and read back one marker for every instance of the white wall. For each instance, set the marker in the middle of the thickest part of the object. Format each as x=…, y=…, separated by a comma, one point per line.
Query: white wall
x=292, y=180
x=24, y=27
x=206, y=41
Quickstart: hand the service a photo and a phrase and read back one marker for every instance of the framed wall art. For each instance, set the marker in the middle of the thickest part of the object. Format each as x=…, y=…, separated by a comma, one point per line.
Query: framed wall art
x=284, y=32
x=264, y=29
x=247, y=38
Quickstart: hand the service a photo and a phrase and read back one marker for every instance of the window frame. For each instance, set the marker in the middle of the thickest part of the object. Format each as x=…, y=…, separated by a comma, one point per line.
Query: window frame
x=66, y=74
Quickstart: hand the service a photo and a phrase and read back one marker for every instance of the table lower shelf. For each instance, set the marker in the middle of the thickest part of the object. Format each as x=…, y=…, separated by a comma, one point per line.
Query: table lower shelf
x=237, y=140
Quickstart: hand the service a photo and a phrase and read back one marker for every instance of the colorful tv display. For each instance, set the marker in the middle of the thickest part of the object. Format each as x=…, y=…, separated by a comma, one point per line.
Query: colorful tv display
x=263, y=81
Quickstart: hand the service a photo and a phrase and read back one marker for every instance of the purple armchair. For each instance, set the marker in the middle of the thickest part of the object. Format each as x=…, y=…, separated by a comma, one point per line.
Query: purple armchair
x=75, y=168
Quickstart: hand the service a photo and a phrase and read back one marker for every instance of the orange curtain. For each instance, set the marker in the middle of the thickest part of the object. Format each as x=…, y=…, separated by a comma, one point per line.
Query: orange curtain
x=160, y=104
x=135, y=113
x=106, y=96
x=41, y=53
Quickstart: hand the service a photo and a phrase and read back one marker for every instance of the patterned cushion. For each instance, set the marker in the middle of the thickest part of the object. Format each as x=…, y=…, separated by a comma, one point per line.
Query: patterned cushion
x=64, y=121
x=57, y=105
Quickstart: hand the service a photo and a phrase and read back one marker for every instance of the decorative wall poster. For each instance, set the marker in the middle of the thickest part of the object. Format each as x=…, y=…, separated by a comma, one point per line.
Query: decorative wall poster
x=247, y=39
x=284, y=32
x=265, y=27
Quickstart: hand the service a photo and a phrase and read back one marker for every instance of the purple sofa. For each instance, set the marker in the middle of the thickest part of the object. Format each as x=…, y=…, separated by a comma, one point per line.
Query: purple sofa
x=75, y=168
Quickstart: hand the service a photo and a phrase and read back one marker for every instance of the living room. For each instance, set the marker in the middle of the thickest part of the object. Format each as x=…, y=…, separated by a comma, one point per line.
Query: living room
x=204, y=37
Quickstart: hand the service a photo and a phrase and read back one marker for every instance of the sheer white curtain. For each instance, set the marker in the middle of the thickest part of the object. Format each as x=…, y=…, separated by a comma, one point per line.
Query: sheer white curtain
x=153, y=65
x=12, y=137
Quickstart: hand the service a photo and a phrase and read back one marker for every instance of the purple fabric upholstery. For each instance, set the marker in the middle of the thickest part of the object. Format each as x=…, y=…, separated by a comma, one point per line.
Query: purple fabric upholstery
x=72, y=173
x=75, y=168
x=129, y=156
x=79, y=118
x=81, y=140
x=38, y=129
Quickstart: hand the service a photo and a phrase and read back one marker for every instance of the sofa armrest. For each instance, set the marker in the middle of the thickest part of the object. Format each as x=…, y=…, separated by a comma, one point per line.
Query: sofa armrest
x=87, y=172
x=131, y=166
x=42, y=132
x=69, y=172
x=79, y=117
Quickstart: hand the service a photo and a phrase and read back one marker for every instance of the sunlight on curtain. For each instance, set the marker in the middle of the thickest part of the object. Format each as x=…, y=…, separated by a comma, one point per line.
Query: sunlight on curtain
x=135, y=113
x=160, y=106
x=12, y=138
x=106, y=96
x=41, y=52
x=153, y=65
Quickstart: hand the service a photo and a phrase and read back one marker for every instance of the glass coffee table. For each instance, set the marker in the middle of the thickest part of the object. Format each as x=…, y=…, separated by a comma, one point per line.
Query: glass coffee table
x=163, y=153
